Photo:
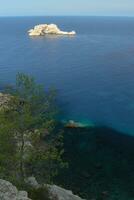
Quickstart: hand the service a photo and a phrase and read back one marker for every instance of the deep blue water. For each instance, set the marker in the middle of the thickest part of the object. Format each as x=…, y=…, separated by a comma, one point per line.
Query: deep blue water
x=93, y=71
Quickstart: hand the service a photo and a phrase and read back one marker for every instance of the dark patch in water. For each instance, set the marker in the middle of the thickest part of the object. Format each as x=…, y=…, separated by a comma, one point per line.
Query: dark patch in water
x=101, y=163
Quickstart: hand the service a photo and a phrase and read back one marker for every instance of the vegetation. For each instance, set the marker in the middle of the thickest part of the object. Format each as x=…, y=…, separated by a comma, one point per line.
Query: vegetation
x=29, y=142
x=41, y=193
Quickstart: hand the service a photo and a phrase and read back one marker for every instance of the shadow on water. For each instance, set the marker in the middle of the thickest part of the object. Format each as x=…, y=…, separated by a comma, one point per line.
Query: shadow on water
x=101, y=163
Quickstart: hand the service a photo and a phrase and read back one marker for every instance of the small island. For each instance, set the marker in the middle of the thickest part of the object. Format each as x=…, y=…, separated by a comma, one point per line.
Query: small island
x=43, y=29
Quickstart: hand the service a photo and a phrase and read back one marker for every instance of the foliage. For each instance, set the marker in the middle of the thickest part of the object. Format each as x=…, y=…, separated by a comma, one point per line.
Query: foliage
x=41, y=193
x=29, y=142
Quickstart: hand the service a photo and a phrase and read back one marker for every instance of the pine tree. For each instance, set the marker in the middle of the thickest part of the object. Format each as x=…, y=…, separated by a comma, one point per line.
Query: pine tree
x=29, y=142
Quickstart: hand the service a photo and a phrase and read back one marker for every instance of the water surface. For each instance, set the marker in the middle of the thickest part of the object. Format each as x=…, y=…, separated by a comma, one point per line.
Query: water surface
x=93, y=71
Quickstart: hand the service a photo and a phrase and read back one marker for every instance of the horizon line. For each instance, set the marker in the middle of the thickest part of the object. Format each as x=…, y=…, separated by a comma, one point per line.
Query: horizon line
x=66, y=15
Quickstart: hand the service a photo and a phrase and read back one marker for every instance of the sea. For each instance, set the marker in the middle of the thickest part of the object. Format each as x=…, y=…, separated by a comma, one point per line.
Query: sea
x=93, y=72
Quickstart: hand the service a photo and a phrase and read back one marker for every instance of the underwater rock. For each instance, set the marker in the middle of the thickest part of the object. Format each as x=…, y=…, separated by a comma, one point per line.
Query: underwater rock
x=43, y=29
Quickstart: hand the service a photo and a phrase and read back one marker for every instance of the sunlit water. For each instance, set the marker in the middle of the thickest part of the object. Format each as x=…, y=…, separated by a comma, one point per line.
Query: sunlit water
x=93, y=72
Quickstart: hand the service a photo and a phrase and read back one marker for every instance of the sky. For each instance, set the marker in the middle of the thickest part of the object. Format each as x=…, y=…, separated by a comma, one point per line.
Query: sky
x=66, y=7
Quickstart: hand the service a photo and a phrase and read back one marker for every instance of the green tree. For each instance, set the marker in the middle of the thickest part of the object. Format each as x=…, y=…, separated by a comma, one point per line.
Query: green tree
x=29, y=142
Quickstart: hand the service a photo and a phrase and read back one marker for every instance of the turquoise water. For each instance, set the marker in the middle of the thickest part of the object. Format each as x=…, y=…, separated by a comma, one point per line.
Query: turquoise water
x=92, y=72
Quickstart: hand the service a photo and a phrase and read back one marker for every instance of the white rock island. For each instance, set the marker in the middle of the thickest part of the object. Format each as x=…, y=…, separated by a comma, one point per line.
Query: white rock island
x=43, y=29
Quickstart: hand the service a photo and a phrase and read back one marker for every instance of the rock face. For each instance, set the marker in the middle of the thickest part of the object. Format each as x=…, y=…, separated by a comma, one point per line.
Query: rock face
x=4, y=98
x=10, y=192
x=62, y=194
x=43, y=29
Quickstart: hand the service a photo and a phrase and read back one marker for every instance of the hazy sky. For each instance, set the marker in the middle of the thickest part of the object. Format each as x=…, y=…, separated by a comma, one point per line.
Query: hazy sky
x=66, y=7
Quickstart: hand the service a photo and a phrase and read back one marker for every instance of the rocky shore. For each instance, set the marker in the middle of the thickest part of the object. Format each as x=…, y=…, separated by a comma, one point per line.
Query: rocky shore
x=43, y=29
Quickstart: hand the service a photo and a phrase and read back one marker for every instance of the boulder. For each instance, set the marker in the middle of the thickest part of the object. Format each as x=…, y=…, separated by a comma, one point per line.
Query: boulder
x=10, y=192
x=43, y=29
x=59, y=193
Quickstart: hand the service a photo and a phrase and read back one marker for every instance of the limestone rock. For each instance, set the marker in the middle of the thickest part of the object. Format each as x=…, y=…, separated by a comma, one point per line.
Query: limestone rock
x=74, y=124
x=44, y=29
x=55, y=192
x=62, y=194
x=10, y=192
x=32, y=182
x=4, y=99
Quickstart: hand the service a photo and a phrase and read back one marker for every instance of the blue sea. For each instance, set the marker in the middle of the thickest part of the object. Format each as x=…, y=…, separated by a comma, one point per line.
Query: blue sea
x=93, y=71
